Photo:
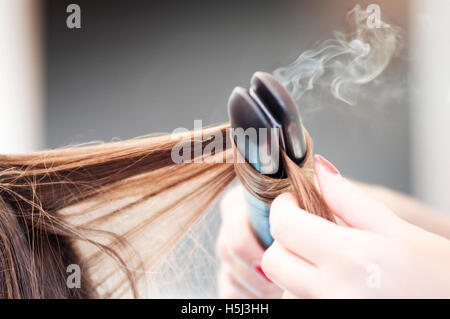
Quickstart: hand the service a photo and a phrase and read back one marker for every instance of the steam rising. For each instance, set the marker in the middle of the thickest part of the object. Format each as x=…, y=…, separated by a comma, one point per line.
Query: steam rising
x=346, y=62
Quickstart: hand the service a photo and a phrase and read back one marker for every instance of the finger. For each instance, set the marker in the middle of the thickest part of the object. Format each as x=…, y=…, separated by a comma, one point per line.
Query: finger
x=249, y=277
x=227, y=291
x=233, y=200
x=289, y=271
x=230, y=288
x=307, y=235
x=289, y=295
x=350, y=204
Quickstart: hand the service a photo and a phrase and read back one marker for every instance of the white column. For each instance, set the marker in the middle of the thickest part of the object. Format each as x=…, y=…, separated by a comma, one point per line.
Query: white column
x=21, y=84
x=430, y=101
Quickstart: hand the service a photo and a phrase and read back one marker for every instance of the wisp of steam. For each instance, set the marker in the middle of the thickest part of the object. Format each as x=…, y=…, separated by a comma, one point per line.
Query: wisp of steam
x=345, y=62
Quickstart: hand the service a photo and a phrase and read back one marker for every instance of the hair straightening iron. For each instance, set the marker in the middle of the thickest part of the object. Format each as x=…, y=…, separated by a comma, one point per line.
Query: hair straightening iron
x=266, y=105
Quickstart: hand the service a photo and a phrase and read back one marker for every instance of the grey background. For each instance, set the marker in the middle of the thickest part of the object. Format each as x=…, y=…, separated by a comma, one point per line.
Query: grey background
x=138, y=67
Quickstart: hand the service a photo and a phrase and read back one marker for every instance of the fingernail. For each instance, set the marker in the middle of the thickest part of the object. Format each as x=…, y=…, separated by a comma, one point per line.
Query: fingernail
x=261, y=273
x=325, y=164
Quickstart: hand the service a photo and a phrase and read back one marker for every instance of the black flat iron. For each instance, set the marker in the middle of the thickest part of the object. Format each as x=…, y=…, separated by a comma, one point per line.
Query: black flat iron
x=268, y=110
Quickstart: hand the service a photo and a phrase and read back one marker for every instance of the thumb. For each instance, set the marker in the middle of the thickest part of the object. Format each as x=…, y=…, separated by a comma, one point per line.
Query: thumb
x=350, y=203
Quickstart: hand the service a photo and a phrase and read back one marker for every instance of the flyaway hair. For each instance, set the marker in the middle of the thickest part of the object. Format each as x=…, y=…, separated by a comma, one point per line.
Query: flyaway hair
x=114, y=210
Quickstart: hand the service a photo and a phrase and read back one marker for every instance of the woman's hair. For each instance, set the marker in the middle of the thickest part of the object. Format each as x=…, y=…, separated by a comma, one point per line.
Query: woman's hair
x=114, y=210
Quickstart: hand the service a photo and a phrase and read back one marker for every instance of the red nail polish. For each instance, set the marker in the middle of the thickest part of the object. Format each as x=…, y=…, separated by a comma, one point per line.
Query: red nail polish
x=260, y=272
x=325, y=164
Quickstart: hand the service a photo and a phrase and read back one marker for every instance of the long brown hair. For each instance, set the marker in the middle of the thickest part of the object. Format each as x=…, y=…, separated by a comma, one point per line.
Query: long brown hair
x=116, y=209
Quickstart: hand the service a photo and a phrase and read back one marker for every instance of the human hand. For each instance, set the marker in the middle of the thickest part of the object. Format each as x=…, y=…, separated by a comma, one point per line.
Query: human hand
x=240, y=274
x=378, y=256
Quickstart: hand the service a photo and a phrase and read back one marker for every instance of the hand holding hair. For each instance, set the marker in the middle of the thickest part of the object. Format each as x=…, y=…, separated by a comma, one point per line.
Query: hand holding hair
x=378, y=256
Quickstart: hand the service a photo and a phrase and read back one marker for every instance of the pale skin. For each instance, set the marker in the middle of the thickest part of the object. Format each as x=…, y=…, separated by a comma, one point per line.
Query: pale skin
x=388, y=245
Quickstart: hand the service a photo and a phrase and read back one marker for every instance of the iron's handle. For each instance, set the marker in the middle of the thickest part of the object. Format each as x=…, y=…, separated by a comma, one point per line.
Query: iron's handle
x=258, y=211
x=258, y=215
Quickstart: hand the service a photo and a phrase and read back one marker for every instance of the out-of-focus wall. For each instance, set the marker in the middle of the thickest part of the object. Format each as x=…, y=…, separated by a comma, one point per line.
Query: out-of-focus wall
x=138, y=67
x=21, y=77
x=430, y=101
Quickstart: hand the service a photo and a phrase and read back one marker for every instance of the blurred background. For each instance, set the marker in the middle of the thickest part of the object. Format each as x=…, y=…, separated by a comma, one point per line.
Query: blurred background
x=138, y=67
